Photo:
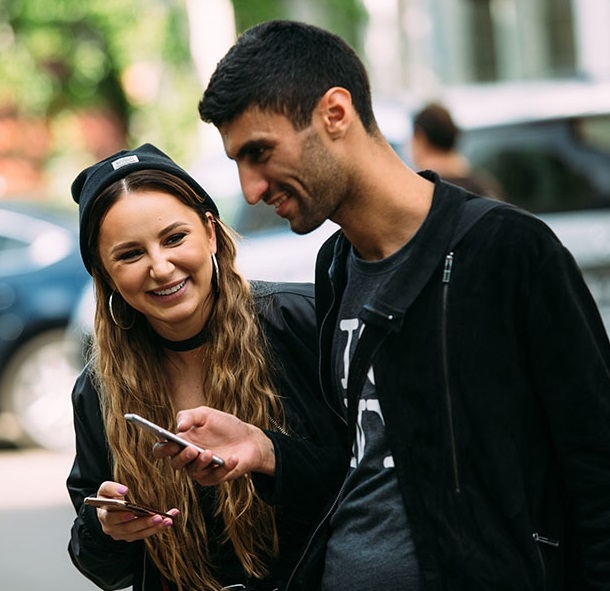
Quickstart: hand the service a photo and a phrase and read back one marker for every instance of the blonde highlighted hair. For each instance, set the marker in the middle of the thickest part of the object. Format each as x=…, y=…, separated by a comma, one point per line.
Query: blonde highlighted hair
x=129, y=373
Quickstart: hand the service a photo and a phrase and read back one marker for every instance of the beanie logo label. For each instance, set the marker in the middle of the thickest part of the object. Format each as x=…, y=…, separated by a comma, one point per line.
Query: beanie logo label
x=125, y=161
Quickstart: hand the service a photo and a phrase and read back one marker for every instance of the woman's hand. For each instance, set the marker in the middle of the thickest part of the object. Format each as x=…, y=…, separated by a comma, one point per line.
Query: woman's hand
x=125, y=525
x=243, y=447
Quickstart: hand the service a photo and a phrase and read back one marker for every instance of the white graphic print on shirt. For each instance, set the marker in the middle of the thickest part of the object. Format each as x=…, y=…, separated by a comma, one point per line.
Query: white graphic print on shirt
x=353, y=328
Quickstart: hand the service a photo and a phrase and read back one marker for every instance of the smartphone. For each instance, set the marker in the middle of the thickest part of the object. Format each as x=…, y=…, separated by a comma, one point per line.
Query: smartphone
x=122, y=505
x=164, y=433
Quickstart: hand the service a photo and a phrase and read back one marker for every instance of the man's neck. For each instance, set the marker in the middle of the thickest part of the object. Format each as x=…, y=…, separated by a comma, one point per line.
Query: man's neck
x=383, y=218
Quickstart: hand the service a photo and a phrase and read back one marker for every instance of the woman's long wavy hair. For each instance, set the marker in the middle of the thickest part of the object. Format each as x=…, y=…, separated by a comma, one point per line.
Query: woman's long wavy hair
x=129, y=370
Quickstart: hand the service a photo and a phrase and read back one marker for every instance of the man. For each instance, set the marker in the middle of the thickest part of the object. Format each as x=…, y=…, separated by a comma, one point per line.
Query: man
x=482, y=456
x=434, y=146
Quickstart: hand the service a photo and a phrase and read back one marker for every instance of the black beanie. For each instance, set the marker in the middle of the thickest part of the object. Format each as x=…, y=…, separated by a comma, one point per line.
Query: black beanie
x=93, y=180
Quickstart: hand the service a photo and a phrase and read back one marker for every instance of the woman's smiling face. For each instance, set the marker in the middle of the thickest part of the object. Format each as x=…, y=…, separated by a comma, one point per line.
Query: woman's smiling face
x=158, y=254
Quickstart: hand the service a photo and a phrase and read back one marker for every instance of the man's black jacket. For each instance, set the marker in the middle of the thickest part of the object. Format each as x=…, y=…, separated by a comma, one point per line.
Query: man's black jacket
x=495, y=389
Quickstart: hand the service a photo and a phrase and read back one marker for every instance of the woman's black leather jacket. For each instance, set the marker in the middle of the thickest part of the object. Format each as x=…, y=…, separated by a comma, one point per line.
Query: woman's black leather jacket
x=307, y=455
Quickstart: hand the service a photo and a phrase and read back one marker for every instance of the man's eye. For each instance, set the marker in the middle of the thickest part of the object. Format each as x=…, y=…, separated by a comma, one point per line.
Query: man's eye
x=257, y=154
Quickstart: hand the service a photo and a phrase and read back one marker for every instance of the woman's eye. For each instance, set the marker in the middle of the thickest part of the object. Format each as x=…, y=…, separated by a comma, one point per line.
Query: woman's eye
x=175, y=238
x=129, y=255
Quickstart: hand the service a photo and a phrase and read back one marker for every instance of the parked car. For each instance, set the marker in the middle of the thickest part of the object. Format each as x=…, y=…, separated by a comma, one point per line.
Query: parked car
x=547, y=144
x=41, y=278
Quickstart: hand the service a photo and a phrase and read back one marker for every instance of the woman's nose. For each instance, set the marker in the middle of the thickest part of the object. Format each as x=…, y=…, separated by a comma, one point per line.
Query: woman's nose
x=160, y=266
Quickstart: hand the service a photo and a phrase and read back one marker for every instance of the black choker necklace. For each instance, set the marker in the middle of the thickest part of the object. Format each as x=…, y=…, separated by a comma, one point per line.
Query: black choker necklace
x=187, y=344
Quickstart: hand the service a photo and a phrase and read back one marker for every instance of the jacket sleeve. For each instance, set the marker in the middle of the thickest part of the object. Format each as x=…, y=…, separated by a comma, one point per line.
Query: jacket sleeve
x=110, y=564
x=570, y=356
x=310, y=456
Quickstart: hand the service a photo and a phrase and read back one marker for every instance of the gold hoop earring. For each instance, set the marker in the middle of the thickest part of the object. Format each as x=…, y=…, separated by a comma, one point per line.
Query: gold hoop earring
x=216, y=276
x=114, y=318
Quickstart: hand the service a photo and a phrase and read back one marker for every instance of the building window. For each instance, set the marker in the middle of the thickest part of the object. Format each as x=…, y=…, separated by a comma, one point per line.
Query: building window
x=562, y=59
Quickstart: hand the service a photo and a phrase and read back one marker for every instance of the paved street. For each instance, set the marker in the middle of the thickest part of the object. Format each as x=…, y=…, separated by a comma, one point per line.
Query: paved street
x=35, y=519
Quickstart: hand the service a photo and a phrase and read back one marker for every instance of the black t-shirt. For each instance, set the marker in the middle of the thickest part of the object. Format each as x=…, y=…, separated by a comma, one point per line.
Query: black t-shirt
x=370, y=546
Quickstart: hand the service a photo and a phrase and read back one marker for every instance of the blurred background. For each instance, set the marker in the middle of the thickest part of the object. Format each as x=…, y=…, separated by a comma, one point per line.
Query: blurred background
x=527, y=82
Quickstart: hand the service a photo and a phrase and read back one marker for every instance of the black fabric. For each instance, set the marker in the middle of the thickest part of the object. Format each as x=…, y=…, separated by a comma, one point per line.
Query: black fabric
x=379, y=322
x=310, y=453
x=495, y=386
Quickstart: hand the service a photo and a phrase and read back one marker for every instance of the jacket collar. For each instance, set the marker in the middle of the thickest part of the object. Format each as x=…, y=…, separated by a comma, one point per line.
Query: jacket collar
x=430, y=245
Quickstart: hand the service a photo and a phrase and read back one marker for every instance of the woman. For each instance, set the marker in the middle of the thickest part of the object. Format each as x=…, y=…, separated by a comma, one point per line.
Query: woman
x=177, y=327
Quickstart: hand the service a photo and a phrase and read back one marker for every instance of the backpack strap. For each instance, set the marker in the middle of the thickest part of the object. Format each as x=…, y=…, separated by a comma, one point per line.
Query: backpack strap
x=473, y=211
x=374, y=332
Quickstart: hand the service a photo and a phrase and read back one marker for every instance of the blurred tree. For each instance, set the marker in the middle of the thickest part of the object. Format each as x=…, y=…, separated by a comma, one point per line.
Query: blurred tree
x=343, y=17
x=104, y=62
x=76, y=50
x=94, y=76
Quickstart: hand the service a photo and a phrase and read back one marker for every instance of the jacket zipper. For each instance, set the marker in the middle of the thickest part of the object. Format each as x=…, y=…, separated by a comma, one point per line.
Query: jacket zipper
x=448, y=399
x=143, y=588
x=547, y=542
x=320, y=333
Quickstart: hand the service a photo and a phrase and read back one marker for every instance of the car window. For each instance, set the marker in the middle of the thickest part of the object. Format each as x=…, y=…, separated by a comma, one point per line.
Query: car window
x=594, y=132
x=550, y=166
x=539, y=180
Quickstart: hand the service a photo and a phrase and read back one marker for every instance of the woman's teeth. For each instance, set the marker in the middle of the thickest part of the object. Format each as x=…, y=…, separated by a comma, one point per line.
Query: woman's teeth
x=171, y=290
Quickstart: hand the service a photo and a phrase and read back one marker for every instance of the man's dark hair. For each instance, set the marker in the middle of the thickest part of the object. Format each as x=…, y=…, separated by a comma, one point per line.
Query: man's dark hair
x=285, y=67
x=437, y=125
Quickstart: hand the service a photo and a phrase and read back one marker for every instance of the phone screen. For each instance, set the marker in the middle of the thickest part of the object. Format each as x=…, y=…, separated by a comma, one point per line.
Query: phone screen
x=165, y=434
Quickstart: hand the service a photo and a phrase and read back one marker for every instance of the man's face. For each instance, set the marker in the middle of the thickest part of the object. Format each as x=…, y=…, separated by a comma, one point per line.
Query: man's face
x=291, y=170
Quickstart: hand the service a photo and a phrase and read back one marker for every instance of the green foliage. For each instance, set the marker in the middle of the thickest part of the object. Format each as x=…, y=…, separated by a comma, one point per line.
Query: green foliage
x=126, y=62
x=72, y=53
x=346, y=18
x=249, y=13
x=343, y=17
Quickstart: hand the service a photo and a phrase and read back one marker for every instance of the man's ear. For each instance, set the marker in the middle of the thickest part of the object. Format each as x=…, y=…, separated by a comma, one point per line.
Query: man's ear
x=336, y=110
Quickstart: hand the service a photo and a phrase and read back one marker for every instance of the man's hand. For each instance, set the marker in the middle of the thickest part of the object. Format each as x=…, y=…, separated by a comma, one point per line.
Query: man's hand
x=244, y=447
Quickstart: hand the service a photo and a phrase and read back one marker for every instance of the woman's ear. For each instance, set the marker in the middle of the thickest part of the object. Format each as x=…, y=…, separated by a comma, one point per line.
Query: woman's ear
x=210, y=228
x=100, y=274
x=336, y=111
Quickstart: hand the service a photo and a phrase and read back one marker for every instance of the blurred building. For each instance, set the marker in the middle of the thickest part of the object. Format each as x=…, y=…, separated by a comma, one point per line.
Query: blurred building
x=424, y=44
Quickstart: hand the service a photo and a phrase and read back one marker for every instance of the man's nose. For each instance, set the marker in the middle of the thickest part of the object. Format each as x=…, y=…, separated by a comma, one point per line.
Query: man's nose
x=253, y=185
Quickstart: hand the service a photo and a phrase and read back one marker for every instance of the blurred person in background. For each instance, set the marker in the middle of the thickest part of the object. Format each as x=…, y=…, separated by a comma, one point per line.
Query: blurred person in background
x=434, y=146
x=177, y=327
x=457, y=337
